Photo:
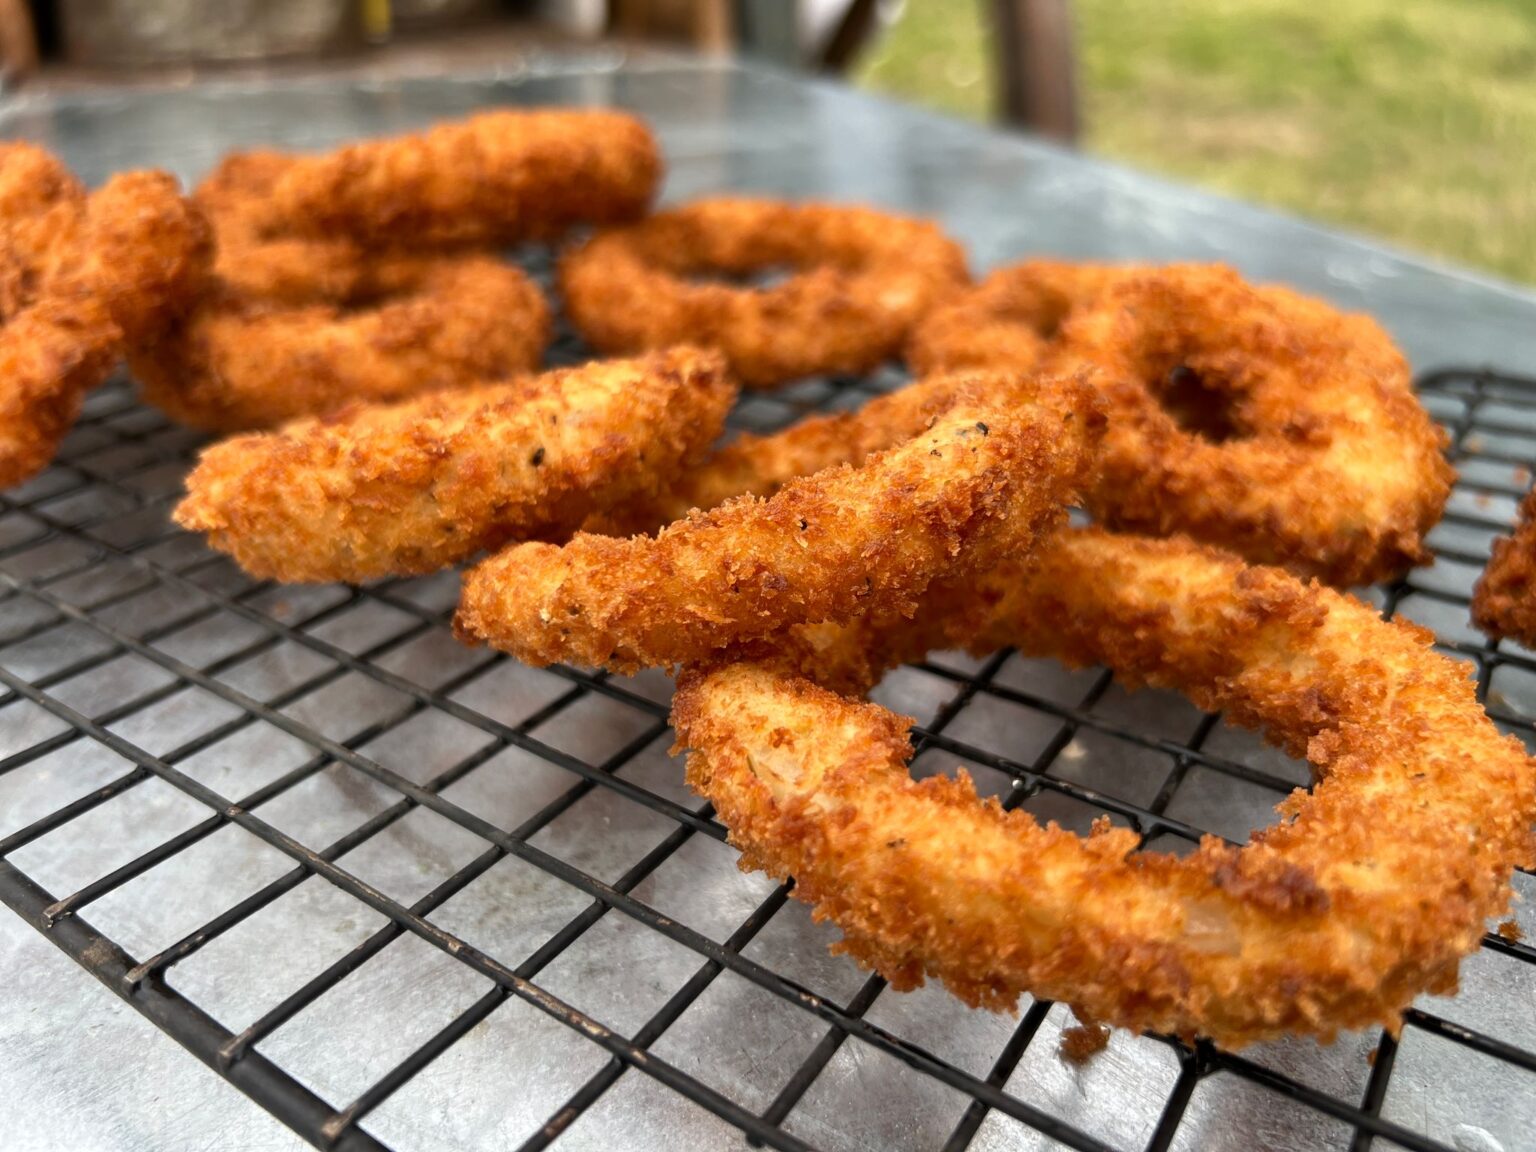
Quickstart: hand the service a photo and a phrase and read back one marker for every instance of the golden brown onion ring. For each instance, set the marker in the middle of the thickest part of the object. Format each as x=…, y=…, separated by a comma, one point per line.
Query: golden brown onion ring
x=148, y=251
x=58, y=339
x=255, y=257
x=1249, y=417
x=760, y=465
x=1258, y=420
x=378, y=490
x=1007, y=320
x=1368, y=893
x=833, y=546
x=77, y=275
x=408, y=325
x=1504, y=602
x=860, y=280
x=500, y=177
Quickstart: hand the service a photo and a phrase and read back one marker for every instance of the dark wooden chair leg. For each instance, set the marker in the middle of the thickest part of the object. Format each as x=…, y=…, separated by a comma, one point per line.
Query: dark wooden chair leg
x=853, y=31
x=18, y=44
x=1037, y=86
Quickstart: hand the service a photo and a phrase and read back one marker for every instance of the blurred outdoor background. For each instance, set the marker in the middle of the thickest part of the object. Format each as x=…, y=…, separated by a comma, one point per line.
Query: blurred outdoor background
x=1414, y=120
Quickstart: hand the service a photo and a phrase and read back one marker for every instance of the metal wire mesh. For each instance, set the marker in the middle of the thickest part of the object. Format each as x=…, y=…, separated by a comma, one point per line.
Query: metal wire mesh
x=365, y=874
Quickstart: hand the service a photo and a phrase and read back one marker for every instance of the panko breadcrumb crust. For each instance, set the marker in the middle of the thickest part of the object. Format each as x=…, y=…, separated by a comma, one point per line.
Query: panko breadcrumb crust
x=407, y=325
x=148, y=251
x=1331, y=467
x=500, y=177
x=1008, y=319
x=842, y=543
x=379, y=490
x=79, y=275
x=753, y=465
x=859, y=280
x=1368, y=892
x=1504, y=601
x=256, y=257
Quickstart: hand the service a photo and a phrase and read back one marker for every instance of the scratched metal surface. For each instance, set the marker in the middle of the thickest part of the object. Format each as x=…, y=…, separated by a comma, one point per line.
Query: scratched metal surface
x=107, y=614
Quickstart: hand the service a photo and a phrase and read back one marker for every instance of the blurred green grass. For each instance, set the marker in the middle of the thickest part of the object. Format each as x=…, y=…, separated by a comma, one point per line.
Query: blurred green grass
x=1413, y=120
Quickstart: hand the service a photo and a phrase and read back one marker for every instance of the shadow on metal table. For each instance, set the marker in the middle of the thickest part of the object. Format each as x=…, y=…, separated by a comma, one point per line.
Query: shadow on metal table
x=411, y=895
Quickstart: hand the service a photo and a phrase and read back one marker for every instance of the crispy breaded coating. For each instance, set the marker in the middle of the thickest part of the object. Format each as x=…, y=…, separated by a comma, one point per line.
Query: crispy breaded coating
x=1007, y=320
x=1249, y=417
x=761, y=465
x=1367, y=893
x=57, y=340
x=1504, y=601
x=408, y=325
x=77, y=275
x=833, y=546
x=380, y=490
x=1258, y=420
x=51, y=354
x=860, y=279
x=149, y=251
x=42, y=211
x=499, y=177
x=254, y=256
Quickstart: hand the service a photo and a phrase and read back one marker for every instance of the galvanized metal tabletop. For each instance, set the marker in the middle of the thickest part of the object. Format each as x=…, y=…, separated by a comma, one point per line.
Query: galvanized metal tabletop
x=698, y=1001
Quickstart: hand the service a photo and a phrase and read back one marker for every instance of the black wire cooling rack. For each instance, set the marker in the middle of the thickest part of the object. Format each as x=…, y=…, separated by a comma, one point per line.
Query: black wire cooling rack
x=405, y=894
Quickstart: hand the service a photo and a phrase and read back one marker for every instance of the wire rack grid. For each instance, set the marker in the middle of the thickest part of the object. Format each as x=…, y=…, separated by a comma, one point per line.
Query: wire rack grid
x=407, y=894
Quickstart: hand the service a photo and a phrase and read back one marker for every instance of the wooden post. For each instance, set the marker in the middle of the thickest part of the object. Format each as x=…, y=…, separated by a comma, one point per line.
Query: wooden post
x=18, y=43
x=850, y=35
x=704, y=24
x=712, y=26
x=1035, y=66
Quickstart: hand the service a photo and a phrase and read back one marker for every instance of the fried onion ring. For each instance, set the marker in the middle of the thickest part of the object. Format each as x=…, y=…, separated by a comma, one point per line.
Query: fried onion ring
x=1300, y=442
x=254, y=256
x=1258, y=420
x=1007, y=320
x=833, y=546
x=500, y=177
x=861, y=279
x=52, y=352
x=380, y=490
x=406, y=326
x=760, y=465
x=1369, y=892
x=58, y=339
x=1504, y=601
x=149, y=251
x=77, y=275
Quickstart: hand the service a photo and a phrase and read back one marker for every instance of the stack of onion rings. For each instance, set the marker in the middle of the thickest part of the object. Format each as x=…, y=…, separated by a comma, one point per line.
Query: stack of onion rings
x=297, y=324
x=829, y=547
x=861, y=279
x=1372, y=890
x=1249, y=417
